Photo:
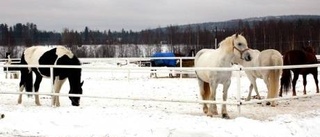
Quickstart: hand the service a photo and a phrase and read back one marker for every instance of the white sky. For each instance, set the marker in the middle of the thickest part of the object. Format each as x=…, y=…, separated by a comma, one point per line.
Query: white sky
x=142, y=14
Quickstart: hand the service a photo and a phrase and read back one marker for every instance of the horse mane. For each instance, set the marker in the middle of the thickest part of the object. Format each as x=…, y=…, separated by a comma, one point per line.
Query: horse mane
x=309, y=49
x=61, y=50
x=226, y=41
x=229, y=41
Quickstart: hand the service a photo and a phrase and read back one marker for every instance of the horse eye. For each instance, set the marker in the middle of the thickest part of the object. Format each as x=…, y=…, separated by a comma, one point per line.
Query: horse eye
x=239, y=44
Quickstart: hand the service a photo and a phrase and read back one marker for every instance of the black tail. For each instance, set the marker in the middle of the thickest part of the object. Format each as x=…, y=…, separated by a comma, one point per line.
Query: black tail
x=286, y=79
x=26, y=76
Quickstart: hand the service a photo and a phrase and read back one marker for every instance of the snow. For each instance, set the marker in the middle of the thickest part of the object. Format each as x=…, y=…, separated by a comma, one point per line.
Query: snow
x=98, y=117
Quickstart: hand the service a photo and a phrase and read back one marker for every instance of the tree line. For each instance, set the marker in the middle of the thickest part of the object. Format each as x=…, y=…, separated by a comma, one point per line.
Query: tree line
x=280, y=34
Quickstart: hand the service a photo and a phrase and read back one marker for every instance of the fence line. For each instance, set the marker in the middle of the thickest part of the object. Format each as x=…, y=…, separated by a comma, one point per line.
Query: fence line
x=128, y=98
x=238, y=102
x=240, y=68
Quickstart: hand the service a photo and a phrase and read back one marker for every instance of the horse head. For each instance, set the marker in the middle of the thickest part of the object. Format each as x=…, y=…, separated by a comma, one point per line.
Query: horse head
x=76, y=89
x=240, y=47
x=309, y=49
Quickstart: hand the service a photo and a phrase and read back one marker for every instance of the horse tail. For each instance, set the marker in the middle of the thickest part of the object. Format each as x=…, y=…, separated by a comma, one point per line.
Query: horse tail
x=286, y=79
x=274, y=77
x=26, y=76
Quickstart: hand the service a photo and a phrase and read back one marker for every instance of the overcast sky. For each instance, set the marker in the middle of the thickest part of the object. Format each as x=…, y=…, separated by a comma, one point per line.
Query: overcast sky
x=136, y=15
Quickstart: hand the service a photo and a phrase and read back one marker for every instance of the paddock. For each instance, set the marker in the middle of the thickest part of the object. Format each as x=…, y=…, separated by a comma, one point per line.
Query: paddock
x=164, y=106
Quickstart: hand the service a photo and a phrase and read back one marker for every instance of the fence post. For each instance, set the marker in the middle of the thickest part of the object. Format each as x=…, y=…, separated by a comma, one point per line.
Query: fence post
x=128, y=63
x=180, y=59
x=239, y=89
x=52, y=84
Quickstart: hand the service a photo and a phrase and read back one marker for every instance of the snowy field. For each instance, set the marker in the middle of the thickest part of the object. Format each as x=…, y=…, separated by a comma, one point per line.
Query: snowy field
x=100, y=117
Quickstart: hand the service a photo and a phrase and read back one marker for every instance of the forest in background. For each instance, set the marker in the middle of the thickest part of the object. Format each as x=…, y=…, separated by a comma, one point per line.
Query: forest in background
x=281, y=33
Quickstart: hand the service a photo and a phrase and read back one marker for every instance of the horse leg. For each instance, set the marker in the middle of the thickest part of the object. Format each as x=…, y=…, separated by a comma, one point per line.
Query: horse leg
x=304, y=84
x=25, y=82
x=225, y=96
x=205, y=93
x=294, y=81
x=253, y=84
x=54, y=97
x=20, y=95
x=256, y=88
x=213, y=107
x=36, y=88
x=57, y=87
x=250, y=91
x=315, y=77
x=22, y=86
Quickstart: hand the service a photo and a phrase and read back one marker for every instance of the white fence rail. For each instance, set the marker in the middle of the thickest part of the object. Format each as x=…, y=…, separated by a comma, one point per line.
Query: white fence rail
x=239, y=69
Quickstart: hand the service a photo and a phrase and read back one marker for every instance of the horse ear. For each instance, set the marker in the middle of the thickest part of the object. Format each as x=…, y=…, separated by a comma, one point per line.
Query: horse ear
x=237, y=35
x=81, y=83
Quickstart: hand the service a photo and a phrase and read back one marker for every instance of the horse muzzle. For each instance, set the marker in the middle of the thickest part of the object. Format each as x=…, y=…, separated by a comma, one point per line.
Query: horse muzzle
x=246, y=56
x=75, y=104
x=75, y=101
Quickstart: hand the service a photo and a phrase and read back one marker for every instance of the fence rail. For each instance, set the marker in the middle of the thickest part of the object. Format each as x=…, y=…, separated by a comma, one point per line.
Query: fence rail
x=238, y=69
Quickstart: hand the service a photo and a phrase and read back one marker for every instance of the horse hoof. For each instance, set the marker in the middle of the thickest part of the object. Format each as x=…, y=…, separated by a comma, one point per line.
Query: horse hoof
x=225, y=116
x=268, y=103
x=209, y=115
x=2, y=116
x=205, y=109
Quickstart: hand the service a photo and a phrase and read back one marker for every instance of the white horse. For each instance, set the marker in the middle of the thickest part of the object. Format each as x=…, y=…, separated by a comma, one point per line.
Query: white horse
x=231, y=49
x=271, y=77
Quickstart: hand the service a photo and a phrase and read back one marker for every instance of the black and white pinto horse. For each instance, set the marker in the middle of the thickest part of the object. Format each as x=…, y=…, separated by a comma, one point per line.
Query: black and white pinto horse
x=40, y=55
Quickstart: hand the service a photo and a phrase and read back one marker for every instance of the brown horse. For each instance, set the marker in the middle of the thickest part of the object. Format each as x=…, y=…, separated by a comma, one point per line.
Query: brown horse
x=298, y=57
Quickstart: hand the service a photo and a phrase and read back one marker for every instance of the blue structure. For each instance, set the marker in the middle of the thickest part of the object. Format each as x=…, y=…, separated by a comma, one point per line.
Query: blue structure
x=163, y=62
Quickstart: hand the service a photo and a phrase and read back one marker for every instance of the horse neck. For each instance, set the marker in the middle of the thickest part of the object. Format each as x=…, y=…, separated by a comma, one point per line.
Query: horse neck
x=226, y=56
x=74, y=79
x=226, y=45
x=226, y=50
x=311, y=58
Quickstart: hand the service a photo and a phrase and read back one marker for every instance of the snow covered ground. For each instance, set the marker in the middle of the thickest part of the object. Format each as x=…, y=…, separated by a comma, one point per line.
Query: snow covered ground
x=98, y=117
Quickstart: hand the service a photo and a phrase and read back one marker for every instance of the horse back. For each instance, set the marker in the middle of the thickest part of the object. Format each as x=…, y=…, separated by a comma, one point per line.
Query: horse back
x=294, y=57
x=212, y=58
x=33, y=54
x=207, y=58
x=312, y=59
x=270, y=57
